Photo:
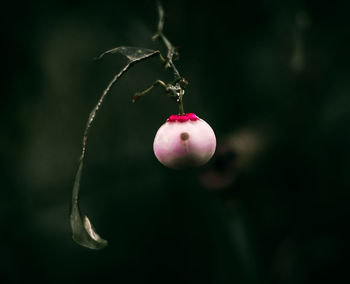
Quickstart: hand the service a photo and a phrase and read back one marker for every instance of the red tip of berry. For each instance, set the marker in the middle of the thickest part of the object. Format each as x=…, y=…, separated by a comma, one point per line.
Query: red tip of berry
x=192, y=116
x=182, y=118
x=172, y=118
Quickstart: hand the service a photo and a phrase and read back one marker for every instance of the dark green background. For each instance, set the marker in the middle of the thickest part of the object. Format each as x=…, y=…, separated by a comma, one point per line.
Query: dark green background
x=282, y=216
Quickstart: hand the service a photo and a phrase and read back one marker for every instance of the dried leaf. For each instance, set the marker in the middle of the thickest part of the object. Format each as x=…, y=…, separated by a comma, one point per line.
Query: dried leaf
x=83, y=232
x=131, y=52
x=82, y=229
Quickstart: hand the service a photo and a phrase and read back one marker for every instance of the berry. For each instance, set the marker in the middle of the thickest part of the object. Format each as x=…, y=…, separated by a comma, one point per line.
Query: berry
x=184, y=141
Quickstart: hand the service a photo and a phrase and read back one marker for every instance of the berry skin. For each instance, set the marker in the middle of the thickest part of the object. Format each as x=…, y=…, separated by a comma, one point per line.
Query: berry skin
x=184, y=141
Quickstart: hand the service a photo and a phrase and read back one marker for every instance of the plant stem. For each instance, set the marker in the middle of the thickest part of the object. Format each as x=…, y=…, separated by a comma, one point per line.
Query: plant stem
x=181, y=106
x=169, y=58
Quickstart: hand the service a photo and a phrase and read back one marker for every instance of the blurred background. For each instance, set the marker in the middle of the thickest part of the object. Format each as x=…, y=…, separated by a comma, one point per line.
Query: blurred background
x=272, y=206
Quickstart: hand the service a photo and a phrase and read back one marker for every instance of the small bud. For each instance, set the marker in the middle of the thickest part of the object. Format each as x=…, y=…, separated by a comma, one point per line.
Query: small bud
x=184, y=141
x=135, y=98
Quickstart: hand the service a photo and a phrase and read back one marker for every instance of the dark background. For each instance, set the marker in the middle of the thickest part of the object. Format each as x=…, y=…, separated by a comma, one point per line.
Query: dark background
x=271, y=78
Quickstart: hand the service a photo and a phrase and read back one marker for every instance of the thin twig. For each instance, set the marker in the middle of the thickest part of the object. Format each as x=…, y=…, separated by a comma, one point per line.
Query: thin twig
x=171, y=49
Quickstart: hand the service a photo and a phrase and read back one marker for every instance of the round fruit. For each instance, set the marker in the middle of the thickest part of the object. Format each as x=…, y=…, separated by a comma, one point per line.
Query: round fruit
x=184, y=141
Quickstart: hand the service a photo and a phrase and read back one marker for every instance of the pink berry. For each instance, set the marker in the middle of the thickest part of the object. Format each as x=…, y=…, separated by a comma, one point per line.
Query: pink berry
x=184, y=142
